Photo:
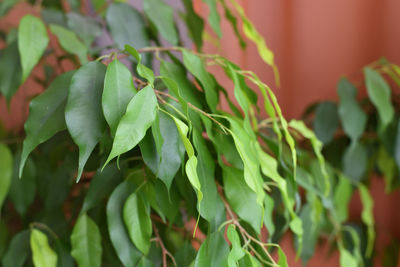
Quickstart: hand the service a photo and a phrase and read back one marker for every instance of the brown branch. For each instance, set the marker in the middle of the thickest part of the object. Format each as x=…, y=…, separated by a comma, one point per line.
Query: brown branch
x=165, y=252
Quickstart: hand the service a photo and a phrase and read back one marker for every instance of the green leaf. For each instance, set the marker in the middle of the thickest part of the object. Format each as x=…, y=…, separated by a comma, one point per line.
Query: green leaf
x=6, y=168
x=42, y=254
x=87, y=28
x=194, y=24
x=326, y=121
x=46, y=115
x=17, y=251
x=236, y=190
x=367, y=217
x=234, y=23
x=185, y=255
x=101, y=186
x=86, y=242
x=143, y=71
x=213, y=17
x=352, y=116
x=380, y=94
x=127, y=26
x=196, y=66
x=32, y=42
x=397, y=145
x=70, y=42
x=355, y=162
x=282, y=262
x=6, y=5
x=137, y=220
x=118, y=91
x=126, y=251
x=237, y=250
x=346, y=259
x=10, y=70
x=268, y=215
x=213, y=252
x=83, y=114
x=162, y=15
x=341, y=198
x=139, y=116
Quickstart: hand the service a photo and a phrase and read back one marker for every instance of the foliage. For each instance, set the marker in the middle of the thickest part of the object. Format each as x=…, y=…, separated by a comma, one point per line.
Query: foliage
x=128, y=159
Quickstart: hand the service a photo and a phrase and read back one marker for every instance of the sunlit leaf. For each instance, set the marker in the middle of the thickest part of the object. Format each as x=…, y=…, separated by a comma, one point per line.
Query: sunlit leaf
x=42, y=254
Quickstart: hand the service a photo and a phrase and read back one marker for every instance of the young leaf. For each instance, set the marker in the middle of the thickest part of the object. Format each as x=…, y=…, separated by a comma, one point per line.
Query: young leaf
x=10, y=70
x=126, y=251
x=70, y=42
x=237, y=250
x=17, y=251
x=379, y=92
x=46, y=115
x=137, y=220
x=162, y=15
x=367, y=217
x=118, y=91
x=42, y=254
x=140, y=115
x=6, y=167
x=352, y=116
x=127, y=26
x=32, y=42
x=213, y=252
x=214, y=18
x=83, y=114
x=143, y=71
x=86, y=242
x=196, y=66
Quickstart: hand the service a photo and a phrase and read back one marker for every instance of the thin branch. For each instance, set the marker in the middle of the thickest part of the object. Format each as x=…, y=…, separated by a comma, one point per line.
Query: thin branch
x=165, y=252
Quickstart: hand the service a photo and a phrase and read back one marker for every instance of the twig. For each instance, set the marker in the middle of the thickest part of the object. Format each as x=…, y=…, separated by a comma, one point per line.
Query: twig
x=165, y=252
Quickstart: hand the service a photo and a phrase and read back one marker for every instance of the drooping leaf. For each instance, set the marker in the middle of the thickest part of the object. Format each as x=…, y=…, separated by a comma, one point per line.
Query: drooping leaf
x=355, y=162
x=32, y=42
x=42, y=254
x=127, y=26
x=380, y=94
x=367, y=217
x=162, y=15
x=234, y=23
x=18, y=250
x=86, y=242
x=194, y=23
x=353, y=118
x=87, y=28
x=236, y=252
x=213, y=252
x=6, y=168
x=83, y=114
x=140, y=115
x=142, y=70
x=236, y=190
x=196, y=66
x=126, y=251
x=70, y=42
x=326, y=121
x=10, y=70
x=213, y=17
x=268, y=215
x=46, y=115
x=137, y=220
x=118, y=91
x=342, y=195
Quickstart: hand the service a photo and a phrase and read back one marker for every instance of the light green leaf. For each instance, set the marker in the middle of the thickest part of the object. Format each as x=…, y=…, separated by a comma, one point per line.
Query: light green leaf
x=126, y=251
x=6, y=168
x=83, y=114
x=42, y=254
x=213, y=17
x=10, y=70
x=380, y=94
x=86, y=242
x=397, y=145
x=194, y=24
x=127, y=26
x=46, y=115
x=140, y=115
x=236, y=190
x=87, y=28
x=32, y=42
x=162, y=15
x=367, y=217
x=326, y=121
x=143, y=71
x=341, y=198
x=236, y=252
x=137, y=220
x=387, y=164
x=213, y=252
x=346, y=259
x=352, y=116
x=268, y=215
x=70, y=42
x=118, y=91
x=196, y=66
x=17, y=251
x=282, y=262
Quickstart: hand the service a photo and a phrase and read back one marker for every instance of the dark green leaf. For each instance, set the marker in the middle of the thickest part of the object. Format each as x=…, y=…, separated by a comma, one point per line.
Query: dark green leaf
x=194, y=24
x=83, y=114
x=185, y=256
x=213, y=252
x=118, y=91
x=234, y=23
x=42, y=254
x=268, y=215
x=10, y=70
x=6, y=5
x=162, y=15
x=53, y=16
x=137, y=220
x=214, y=18
x=355, y=162
x=397, y=145
x=32, y=42
x=139, y=116
x=86, y=242
x=127, y=26
x=326, y=121
x=17, y=251
x=85, y=27
x=46, y=115
x=6, y=168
